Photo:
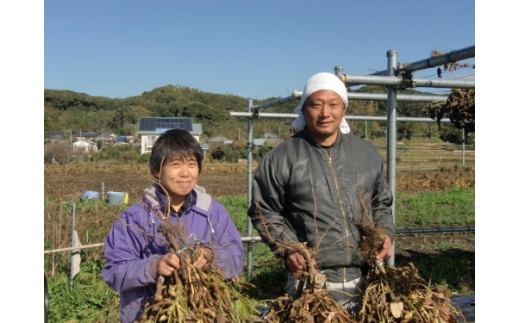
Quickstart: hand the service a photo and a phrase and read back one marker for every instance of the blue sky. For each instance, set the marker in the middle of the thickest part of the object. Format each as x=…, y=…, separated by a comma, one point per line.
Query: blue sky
x=254, y=49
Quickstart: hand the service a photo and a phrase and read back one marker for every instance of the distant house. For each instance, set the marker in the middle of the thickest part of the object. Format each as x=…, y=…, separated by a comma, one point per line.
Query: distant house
x=150, y=128
x=274, y=142
x=220, y=140
x=106, y=138
x=259, y=142
x=270, y=135
x=84, y=146
x=87, y=136
x=127, y=139
x=270, y=142
x=56, y=136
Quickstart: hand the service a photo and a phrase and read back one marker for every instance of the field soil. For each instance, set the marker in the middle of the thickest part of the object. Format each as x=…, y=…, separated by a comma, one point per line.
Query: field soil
x=218, y=180
x=70, y=186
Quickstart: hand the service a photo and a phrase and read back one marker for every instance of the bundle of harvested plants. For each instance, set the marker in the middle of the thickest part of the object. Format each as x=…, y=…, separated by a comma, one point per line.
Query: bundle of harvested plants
x=312, y=303
x=193, y=294
x=400, y=294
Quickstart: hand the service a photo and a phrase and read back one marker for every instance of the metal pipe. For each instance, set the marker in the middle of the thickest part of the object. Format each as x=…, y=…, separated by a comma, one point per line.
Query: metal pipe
x=401, y=119
x=400, y=97
x=74, y=248
x=434, y=230
x=252, y=239
x=367, y=96
x=249, y=184
x=392, y=80
x=369, y=118
x=453, y=56
x=264, y=114
x=443, y=83
x=295, y=94
x=391, y=134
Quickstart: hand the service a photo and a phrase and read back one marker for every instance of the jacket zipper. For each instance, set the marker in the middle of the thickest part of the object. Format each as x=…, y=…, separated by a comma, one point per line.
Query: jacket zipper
x=342, y=208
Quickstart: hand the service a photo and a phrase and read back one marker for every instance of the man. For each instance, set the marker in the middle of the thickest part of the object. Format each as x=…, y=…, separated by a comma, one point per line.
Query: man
x=315, y=187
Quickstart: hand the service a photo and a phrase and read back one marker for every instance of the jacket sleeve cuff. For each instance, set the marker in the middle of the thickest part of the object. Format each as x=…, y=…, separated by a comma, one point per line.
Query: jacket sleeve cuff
x=152, y=266
x=389, y=232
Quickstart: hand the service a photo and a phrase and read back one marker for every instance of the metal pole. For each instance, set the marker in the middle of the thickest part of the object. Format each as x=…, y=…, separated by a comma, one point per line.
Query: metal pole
x=249, y=185
x=338, y=70
x=45, y=298
x=73, y=243
x=391, y=133
x=463, y=146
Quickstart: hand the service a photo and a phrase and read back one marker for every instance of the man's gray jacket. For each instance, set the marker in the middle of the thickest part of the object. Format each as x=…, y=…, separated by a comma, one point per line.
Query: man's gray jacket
x=303, y=192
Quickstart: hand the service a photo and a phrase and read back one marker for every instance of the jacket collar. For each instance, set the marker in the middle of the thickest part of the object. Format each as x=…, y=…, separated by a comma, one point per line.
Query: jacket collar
x=305, y=133
x=155, y=198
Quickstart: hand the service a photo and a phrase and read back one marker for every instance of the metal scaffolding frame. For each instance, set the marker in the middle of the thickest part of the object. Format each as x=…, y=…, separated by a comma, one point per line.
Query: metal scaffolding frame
x=396, y=76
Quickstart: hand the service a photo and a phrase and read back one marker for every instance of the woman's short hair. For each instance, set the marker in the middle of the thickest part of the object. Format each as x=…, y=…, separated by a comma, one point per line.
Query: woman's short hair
x=174, y=143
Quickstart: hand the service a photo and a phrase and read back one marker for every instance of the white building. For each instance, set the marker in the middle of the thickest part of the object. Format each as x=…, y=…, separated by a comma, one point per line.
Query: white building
x=84, y=146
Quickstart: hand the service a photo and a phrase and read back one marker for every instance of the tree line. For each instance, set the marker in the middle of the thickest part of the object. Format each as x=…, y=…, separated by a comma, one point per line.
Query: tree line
x=70, y=111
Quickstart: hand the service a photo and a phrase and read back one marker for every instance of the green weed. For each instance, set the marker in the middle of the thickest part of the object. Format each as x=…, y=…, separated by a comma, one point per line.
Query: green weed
x=88, y=299
x=454, y=207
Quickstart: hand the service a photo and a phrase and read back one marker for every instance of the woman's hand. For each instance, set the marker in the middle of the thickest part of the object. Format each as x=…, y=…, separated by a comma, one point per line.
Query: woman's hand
x=205, y=258
x=167, y=264
x=171, y=261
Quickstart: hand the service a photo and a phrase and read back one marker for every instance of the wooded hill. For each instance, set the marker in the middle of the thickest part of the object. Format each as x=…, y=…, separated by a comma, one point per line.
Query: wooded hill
x=71, y=111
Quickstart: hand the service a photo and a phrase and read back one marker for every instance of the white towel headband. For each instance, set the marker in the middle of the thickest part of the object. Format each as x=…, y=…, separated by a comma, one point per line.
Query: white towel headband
x=322, y=81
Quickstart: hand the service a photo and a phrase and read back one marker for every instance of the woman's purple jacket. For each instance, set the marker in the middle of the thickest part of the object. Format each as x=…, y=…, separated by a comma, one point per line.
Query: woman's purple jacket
x=132, y=246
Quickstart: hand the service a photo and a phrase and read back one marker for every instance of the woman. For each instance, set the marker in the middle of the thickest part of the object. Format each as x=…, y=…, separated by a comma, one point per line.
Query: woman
x=136, y=253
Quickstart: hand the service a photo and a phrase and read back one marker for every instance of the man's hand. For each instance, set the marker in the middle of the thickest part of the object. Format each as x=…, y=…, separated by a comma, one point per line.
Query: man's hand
x=385, y=252
x=296, y=262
